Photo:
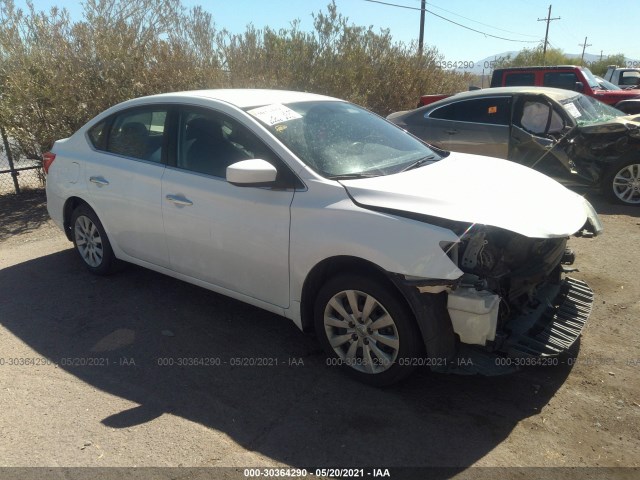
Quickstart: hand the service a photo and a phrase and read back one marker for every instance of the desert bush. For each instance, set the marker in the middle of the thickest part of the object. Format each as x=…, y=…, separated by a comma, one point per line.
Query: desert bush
x=528, y=57
x=599, y=67
x=56, y=73
x=339, y=59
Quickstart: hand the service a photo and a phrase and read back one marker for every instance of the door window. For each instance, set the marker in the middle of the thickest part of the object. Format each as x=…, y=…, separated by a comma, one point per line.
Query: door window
x=209, y=141
x=134, y=133
x=535, y=118
x=492, y=111
x=519, y=79
x=566, y=80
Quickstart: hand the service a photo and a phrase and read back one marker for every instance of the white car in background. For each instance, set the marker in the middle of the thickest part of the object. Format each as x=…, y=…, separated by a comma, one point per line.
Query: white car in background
x=313, y=208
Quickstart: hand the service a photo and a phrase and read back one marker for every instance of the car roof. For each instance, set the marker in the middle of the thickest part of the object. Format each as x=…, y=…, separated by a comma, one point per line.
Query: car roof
x=556, y=94
x=537, y=67
x=248, y=97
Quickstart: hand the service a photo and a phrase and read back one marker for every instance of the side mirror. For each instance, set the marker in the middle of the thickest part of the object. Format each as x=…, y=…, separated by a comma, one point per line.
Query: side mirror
x=579, y=87
x=251, y=173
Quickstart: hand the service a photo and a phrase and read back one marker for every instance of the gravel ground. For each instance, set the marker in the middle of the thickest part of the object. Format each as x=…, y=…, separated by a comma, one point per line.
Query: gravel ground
x=86, y=378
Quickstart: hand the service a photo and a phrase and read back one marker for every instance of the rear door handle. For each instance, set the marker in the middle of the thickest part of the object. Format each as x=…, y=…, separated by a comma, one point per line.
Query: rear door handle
x=100, y=181
x=179, y=200
x=452, y=132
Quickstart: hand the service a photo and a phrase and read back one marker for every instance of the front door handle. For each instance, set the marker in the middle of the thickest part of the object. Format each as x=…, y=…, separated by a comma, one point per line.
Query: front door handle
x=452, y=132
x=100, y=181
x=179, y=200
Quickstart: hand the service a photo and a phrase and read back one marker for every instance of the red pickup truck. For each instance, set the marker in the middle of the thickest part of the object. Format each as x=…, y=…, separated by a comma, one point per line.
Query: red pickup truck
x=568, y=77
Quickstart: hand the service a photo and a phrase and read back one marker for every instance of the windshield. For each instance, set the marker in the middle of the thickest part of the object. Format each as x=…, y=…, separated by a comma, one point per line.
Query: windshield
x=605, y=85
x=586, y=110
x=341, y=140
x=591, y=80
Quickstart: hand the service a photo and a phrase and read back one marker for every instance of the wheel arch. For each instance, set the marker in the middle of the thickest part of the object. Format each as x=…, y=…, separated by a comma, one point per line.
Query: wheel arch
x=69, y=206
x=330, y=267
x=430, y=314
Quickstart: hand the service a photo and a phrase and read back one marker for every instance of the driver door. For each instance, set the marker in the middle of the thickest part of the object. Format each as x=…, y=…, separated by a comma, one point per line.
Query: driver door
x=232, y=237
x=533, y=141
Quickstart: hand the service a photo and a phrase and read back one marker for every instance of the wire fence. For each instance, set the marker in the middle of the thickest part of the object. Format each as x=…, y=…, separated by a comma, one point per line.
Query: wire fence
x=17, y=172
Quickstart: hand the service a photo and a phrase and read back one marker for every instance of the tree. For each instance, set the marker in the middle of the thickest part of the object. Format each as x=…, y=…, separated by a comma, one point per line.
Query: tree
x=56, y=74
x=600, y=67
x=529, y=57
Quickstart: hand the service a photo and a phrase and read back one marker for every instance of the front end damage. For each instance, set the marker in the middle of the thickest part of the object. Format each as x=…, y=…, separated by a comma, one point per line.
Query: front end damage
x=514, y=304
x=507, y=295
x=592, y=150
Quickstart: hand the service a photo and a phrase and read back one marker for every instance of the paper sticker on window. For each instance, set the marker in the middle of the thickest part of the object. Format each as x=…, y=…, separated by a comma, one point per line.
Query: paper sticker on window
x=493, y=110
x=573, y=110
x=273, y=114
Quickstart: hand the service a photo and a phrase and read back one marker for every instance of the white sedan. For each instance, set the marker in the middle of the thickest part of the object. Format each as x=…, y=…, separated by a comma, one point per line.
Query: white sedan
x=397, y=254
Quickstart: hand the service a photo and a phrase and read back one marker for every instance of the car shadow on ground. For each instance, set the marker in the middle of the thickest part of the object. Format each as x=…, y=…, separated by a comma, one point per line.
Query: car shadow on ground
x=294, y=409
x=22, y=213
x=604, y=206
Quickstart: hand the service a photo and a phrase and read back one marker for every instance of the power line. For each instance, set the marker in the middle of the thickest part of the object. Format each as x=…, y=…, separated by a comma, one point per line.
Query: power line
x=451, y=21
x=480, y=23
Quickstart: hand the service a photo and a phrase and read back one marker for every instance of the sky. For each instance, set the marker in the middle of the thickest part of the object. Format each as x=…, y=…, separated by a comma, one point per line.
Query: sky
x=610, y=30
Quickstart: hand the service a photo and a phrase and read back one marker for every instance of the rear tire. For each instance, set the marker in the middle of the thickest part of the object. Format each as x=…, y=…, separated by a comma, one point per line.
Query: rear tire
x=91, y=241
x=367, y=329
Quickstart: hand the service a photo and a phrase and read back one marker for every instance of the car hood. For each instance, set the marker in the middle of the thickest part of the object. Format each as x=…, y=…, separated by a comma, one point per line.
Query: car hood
x=476, y=189
x=628, y=124
x=617, y=94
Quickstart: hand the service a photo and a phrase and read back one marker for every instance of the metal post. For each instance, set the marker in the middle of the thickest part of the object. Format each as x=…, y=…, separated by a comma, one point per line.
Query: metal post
x=584, y=47
x=423, y=7
x=14, y=173
x=546, y=35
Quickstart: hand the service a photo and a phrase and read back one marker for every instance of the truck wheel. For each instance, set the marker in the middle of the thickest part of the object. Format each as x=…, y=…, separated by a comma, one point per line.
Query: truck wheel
x=367, y=329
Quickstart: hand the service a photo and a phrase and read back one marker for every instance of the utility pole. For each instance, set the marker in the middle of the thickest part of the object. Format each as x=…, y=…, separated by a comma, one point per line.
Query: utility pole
x=546, y=35
x=423, y=7
x=584, y=47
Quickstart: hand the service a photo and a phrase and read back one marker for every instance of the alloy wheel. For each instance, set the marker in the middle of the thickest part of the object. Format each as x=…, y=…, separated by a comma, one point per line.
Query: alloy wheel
x=361, y=331
x=88, y=241
x=626, y=184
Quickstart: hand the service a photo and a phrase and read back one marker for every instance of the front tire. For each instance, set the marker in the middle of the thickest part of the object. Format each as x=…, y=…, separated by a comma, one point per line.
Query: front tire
x=91, y=242
x=365, y=327
x=622, y=184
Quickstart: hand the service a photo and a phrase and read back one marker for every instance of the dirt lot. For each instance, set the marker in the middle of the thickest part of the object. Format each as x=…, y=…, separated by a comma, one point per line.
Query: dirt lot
x=86, y=380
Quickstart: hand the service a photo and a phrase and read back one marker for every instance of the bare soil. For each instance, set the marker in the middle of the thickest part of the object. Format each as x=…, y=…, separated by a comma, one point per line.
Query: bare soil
x=138, y=369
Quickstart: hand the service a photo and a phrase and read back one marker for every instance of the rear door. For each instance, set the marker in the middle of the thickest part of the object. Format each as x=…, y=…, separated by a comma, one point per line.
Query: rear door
x=123, y=178
x=478, y=125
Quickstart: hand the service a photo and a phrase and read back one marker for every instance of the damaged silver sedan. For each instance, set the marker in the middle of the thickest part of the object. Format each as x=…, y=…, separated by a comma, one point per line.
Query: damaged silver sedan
x=582, y=143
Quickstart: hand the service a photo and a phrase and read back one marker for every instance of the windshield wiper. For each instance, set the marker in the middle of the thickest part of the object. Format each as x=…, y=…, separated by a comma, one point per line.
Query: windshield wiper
x=418, y=163
x=351, y=176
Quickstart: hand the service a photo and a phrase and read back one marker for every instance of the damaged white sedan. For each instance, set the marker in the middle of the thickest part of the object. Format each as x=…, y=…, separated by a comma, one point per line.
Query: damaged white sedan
x=396, y=254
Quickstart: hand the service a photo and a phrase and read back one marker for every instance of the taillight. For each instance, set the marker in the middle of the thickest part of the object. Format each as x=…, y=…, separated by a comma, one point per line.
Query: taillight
x=47, y=160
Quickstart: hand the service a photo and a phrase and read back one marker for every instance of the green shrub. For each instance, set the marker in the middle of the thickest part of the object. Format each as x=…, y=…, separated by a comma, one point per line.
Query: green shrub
x=56, y=74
